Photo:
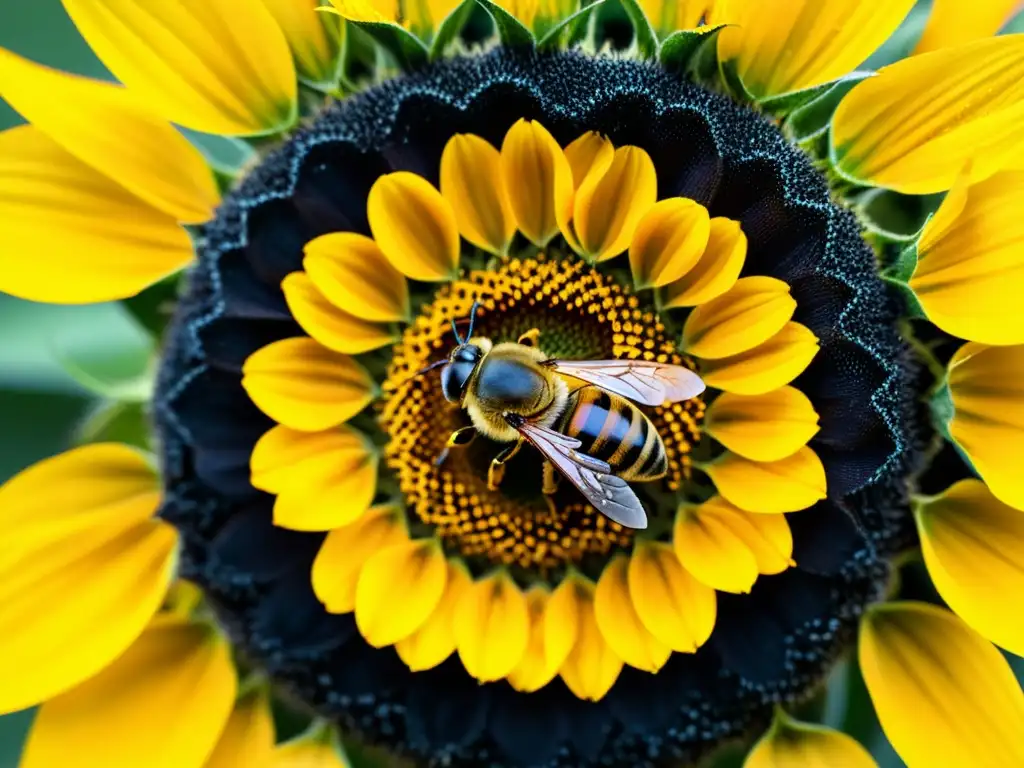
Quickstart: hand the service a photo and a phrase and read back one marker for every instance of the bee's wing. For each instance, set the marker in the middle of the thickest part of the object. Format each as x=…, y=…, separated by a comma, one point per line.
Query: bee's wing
x=641, y=381
x=610, y=495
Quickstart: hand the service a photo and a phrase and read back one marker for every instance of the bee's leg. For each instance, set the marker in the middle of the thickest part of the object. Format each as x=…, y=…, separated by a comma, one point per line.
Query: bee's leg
x=551, y=478
x=530, y=338
x=457, y=439
x=496, y=472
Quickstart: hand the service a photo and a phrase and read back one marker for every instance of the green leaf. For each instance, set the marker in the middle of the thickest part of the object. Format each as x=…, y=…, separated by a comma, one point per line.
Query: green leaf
x=679, y=50
x=124, y=376
x=450, y=28
x=511, y=31
x=552, y=39
x=825, y=97
x=408, y=51
x=115, y=422
x=646, y=39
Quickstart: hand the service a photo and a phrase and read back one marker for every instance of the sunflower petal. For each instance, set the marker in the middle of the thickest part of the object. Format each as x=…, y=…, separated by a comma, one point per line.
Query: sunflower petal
x=792, y=744
x=709, y=549
x=787, y=485
x=534, y=671
x=163, y=703
x=302, y=384
x=538, y=180
x=434, y=641
x=353, y=273
x=952, y=22
x=492, y=627
x=590, y=152
x=914, y=126
x=55, y=208
x=668, y=16
x=248, y=737
x=315, y=38
x=322, y=479
x=668, y=242
x=414, y=226
x=780, y=46
x=562, y=619
x=608, y=206
x=970, y=542
x=970, y=264
x=334, y=328
x=987, y=388
x=471, y=183
x=750, y=313
x=943, y=694
x=766, y=367
x=315, y=750
x=620, y=624
x=345, y=550
x=715, y=272
x=764, y=427
x=674, y=607
x=218, y=66
x=768, y=537
x=79, y=541
x=592, y=667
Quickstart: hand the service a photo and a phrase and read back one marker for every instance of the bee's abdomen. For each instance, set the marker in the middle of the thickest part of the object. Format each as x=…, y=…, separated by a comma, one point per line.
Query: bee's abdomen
x=614, y=430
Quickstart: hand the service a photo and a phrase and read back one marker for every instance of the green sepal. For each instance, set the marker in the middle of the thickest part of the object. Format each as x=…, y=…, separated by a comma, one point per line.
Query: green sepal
x=552, y=38
x=644, y=36
x=912, y=307
x=112, y=421
x=450, y=28
x=830, y=93
x=896, y=218
x=904, y=265
x=511, y=30
x=408, y=51
x=812, y=117
x=152, y=308
x=125, y=375
x=733, y=82
x=679, y=50
x=943, y=410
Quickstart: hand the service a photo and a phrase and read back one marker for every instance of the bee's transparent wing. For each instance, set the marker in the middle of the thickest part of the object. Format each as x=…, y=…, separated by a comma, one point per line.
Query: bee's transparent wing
x=641, y=381
x=610, y=495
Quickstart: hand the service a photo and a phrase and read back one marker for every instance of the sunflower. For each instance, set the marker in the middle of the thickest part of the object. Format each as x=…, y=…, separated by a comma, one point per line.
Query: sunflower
x=313, y=526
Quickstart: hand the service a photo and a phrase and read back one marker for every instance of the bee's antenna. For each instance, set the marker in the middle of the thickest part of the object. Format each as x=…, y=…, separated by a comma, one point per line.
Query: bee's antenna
x=472, y=320
x=458, y=336
x=428, y=369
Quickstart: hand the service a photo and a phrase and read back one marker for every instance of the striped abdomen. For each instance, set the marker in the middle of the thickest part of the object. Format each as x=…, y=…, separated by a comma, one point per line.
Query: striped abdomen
x=614, y=430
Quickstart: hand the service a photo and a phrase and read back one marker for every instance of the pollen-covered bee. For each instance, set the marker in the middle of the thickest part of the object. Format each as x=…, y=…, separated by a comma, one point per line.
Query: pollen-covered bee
x=593, y=435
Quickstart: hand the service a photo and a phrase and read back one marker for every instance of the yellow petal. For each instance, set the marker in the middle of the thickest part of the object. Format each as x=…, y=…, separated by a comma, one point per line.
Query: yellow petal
x=674, y=607
x=609, y=206
x=471, y=183
x=987, y=387
x=590, y=152
x=492, y=627
x=414, y=227
x=322, y=479
x=952, y=22
x=108, y=129
x=971, y=543
x=162, y=704
x=538, y=180
x=248, y=737
x=562, y=618
x=766, y=367
x=668, y=16
x=668, y=242
x=302, y=384
x=778, y=46
x=764, y=427
x=592, y=666
x=971, y=264
x=914, y=126
x=787, y=485
x=367, y=10
x=317, y=749
x=90, y=239
x=535, y=670
x=708, y=548
x=219, y=66
x=524, y=10
x=619, y=622
x=434, y=642
x=716, y=270
x=748, y=314
x=768, y=537
x=335, y=328
x=792, y=744
x=355, y=276
x=345, y=550
x=943, y=694
x=313, y=37
x=398, y=588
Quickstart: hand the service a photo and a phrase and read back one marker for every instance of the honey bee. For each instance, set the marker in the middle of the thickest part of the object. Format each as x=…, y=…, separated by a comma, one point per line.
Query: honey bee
x=592, y=435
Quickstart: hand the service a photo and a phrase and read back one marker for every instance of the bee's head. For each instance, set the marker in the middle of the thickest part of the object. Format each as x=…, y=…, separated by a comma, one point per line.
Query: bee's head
x=458, y=370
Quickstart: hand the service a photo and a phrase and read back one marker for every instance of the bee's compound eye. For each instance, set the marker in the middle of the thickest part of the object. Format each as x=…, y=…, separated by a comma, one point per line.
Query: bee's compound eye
x=454, y=377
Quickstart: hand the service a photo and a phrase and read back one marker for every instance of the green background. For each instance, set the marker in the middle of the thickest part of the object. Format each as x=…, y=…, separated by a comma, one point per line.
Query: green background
x=41, y=405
